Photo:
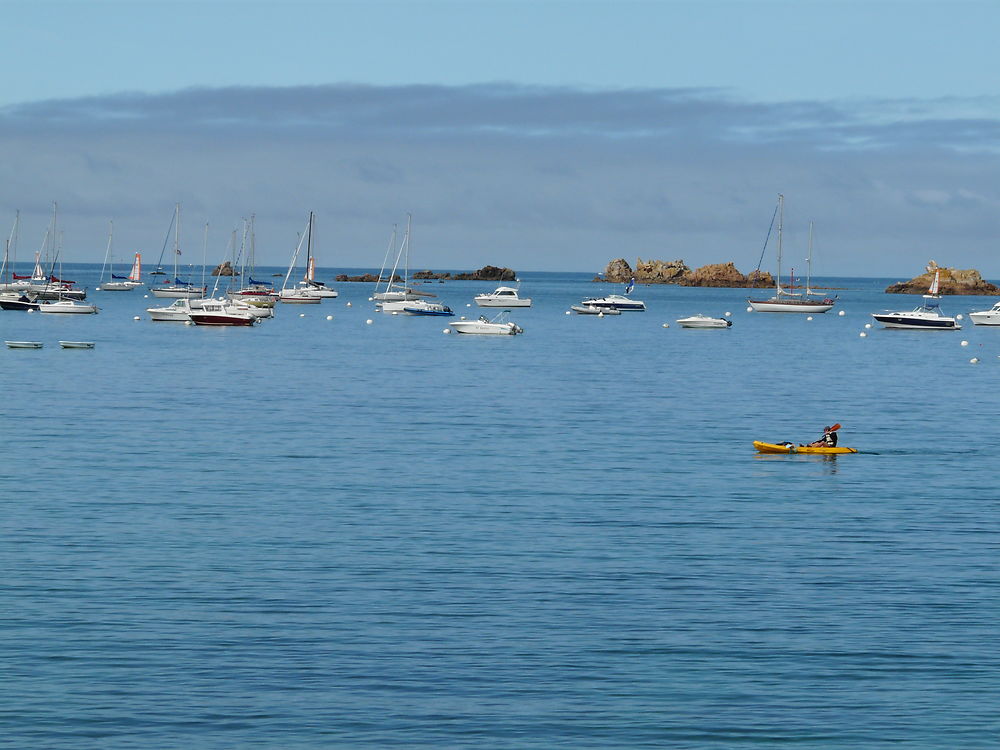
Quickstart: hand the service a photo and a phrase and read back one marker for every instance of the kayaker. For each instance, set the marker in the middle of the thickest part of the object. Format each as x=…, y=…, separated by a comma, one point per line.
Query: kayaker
x=829, y=439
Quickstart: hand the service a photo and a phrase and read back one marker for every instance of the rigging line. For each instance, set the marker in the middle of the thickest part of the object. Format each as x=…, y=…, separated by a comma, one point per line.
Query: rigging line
x=766, y=240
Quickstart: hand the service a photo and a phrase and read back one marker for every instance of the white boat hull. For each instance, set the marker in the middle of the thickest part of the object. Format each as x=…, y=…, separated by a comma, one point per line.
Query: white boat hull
x=791, y=306
x=67, y=307
x=986, y=317
x=703, y=321
x=616, y=302
x=485, y=328
x=916, y=321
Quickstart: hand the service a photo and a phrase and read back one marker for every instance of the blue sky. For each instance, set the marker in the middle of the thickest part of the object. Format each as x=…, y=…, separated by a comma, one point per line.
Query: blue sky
x=541, y=135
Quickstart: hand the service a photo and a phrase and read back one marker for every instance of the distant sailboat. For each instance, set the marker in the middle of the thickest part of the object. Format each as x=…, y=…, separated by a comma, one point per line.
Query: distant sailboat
x=784, y=301
x=178, y=289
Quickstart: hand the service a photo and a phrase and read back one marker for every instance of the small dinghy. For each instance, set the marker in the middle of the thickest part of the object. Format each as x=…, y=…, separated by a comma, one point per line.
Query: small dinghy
x=76, y=344
x=23, y=344
x=594, y=310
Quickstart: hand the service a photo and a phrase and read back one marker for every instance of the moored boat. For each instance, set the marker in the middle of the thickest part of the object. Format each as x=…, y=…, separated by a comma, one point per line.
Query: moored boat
x=499, y=326
x=704, y=321
x=989, y=317
x=925, y=317
x=502, y=296
x=68, y=307
x=584, y=309
x=218, y=313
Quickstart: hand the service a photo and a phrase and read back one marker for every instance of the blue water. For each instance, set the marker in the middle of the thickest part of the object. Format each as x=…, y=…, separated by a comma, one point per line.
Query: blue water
x=329, y=534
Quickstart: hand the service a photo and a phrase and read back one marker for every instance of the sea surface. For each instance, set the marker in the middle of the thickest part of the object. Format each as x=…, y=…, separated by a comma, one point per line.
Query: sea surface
x=324, y=533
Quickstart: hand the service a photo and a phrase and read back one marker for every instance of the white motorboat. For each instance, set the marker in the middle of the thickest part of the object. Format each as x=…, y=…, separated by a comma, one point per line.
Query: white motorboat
x=499, y=326
x=615, y=302
x=220, y=313
x=76, y=344
x=502, y=296
x=23, y=344
x=924, y=317
x=593, y=310
x=68, y=307
x=179, y=311
x=704, y=321
x=792, y=302
x=18, y=302
x=989, y=317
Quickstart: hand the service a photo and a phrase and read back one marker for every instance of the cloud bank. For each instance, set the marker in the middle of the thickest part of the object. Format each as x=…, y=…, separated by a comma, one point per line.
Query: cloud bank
x=529, y=177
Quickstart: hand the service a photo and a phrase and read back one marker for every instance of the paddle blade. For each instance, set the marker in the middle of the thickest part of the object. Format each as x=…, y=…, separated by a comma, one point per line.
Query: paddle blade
x=835, y=427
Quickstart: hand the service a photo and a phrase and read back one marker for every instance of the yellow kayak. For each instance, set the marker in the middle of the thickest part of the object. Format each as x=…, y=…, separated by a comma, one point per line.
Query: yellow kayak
x=789, y=448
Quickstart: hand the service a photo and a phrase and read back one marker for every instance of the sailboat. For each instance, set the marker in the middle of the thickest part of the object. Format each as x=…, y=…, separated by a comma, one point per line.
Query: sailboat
x=926, y=316
x=397, y=296
x=784, y=301
x=309, y=284
x=297, y=295
x=116, y=283
x=260, y=294
x=177, y=289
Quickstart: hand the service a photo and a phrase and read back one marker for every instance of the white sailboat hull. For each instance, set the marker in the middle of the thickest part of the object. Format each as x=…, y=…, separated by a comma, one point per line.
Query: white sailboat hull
x=776, y=304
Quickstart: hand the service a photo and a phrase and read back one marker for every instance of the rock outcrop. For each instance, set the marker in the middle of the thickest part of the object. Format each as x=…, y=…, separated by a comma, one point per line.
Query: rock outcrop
x=369, y=278
x=953, y=281
x=676, y=272
x=224, y=269
x=725, y=275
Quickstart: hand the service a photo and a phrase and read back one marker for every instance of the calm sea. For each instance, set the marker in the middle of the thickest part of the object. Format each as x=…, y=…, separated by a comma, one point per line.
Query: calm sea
x=328, y=534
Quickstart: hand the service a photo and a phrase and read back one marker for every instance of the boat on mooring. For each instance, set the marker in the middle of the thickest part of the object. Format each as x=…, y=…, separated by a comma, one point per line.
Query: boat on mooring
x=924, y=317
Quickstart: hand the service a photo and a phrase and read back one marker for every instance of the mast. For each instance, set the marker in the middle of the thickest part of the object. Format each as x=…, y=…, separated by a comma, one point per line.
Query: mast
x=809, y=261
x=107, y=252
x=309, y=252
x=781, y=217
x=177, y=231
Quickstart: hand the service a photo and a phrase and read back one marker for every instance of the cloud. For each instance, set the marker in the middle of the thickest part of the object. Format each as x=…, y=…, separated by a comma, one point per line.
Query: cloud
x=531, y=177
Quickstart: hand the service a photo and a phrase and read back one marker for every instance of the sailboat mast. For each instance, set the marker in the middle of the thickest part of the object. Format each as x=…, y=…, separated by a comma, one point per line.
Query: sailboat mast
x=177, y=232
x=781, y=218
x=809, y=261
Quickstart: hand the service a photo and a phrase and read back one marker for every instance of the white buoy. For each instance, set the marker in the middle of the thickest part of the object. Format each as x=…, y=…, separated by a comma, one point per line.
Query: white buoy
x=728, y=314
x=136, y=318
x=958, y=317
x=302, y=315
x=868, y=325
x=370, y=299
x=841, y=313
x=965, y=343
x=863, y=334
x=600, y=314
x=974, y=361
x=145, y=296
x=369, y=321
x=468, y=304
x=568, y=312
x=30, y=310
x=348, y=304
x=809, y=317
x=395, y=312
x=462, y=318
x=666, y=325
x=329, y=317
x=446, y=330
x=188, y=323
x=749, y=309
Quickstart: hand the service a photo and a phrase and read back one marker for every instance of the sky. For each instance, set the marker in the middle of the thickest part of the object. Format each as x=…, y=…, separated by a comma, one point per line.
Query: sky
x=542, y=136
